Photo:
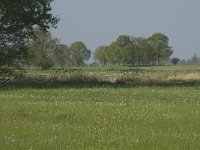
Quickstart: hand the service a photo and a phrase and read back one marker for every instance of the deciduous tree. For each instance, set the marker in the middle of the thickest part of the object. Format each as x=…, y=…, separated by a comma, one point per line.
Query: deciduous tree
x=41, y=49
x=119, y=51
x=160, y=42
x=100, y=54
x=79, y=53
x=175, y=61
x=139, y=45
x=17, y=20
x=61, y=56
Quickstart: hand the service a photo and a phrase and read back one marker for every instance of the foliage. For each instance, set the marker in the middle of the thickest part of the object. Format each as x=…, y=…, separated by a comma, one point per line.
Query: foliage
x=119, y=51
x=41, y=48
x=175, y=61
x=17, y=20
x=46, y=52
x=61, y=56
x=123, y=49
x=139, y=47
x=100, y=54
x=79, y=53
x=135, y=50
x=160, y=43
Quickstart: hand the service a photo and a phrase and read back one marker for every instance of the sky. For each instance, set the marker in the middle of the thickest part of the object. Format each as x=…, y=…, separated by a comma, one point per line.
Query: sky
x=99, y=22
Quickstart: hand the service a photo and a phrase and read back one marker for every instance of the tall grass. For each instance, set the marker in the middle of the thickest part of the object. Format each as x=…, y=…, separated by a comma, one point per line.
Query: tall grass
x=110, y=117
x=102, y=109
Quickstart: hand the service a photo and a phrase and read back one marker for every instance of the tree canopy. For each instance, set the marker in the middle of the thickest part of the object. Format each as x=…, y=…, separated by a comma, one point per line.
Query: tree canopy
x=135, y=50
x=175, y=61
x=41, y=49
x=100, y=54
x=79, y=53
x=160, y=42
x=45, y=52
x=17, y=21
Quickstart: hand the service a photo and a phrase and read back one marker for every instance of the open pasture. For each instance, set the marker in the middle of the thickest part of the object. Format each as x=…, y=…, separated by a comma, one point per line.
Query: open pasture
x=100, y=116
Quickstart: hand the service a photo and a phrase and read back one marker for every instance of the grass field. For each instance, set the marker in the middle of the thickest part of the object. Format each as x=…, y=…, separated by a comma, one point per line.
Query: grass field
x=122, y=75
x=100, y=116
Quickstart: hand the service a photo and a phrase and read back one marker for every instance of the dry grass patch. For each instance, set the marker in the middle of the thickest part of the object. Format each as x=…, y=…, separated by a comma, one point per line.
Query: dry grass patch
x=187, y=77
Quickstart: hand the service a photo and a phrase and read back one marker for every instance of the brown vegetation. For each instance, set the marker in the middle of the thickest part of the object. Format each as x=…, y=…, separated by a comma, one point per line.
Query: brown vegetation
x=80, y=79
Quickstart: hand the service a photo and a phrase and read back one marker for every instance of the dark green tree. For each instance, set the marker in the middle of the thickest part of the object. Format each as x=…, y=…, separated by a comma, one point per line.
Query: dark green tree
x=175, y=61
x=160, y=42
x=17, y=20
x=149, y=54
x=79, y=53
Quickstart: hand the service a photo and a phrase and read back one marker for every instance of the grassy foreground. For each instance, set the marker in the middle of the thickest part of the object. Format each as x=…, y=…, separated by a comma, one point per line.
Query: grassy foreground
x=100, y=118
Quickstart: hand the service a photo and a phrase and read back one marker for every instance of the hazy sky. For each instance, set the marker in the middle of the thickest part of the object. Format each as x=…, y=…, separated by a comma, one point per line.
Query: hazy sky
x=99, y=22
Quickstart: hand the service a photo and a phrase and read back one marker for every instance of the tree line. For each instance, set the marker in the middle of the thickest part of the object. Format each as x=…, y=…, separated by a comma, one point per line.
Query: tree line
x=154, y=50
x=194, y=60
x=46, y=52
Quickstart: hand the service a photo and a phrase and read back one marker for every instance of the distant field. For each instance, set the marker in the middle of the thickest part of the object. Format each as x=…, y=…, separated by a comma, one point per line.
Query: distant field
x=122, y=75
x=156, y=71
x=56, y=115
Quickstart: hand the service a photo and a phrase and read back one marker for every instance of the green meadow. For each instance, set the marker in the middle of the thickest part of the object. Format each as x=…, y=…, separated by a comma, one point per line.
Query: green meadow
x=99, y=115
